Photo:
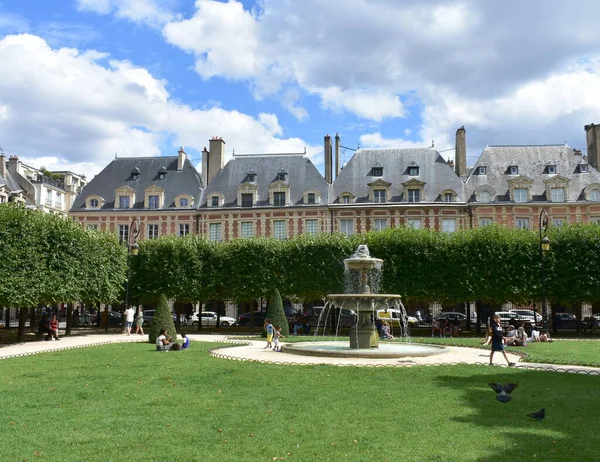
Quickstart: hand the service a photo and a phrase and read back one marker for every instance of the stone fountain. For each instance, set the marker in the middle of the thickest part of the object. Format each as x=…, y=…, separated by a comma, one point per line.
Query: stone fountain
x=361, y=275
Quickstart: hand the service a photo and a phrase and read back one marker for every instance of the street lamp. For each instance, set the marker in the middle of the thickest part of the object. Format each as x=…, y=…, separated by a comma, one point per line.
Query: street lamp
x=544, y=248
x=132, y=249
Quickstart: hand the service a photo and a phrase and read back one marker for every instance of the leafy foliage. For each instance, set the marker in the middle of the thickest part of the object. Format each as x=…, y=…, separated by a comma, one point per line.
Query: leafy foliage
x=276, y=313
x=163, y=319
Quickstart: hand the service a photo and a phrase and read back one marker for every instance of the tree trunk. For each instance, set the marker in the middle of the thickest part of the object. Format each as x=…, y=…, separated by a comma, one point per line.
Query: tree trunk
x=69, y=319
x=579, y=317
x=22, y=320
x=32, y=322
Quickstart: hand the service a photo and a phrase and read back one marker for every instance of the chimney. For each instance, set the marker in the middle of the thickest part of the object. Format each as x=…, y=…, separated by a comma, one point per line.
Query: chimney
x=592, y=134
x=337, y=155
x=205, y=155
x=13, y=164
x=2, y=165
x=180, y=158
x=328, y=161
x=460, y=153
x=216, y=158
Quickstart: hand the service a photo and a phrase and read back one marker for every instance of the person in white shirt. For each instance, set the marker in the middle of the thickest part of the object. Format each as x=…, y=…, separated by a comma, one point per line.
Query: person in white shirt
x=129, y=314
x=162, y=342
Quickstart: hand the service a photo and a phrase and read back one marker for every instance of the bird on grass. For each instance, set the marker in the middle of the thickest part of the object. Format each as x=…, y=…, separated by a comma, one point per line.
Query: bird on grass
x=538, y=415
x=503, y=391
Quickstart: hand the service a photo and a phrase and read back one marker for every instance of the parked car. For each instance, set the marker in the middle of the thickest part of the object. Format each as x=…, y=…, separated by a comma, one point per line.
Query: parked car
x=394, y=317
x=452, y=316
x=316, y=316
x=149, y=315
x=529, y=315
x=565, y=321
x=507, y=316
x=115, y=318
x=209, y=318
x=259, y=318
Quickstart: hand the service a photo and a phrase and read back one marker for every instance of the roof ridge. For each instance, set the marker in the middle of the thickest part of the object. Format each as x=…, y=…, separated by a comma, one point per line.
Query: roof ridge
x=523, y=145
x=270, y=154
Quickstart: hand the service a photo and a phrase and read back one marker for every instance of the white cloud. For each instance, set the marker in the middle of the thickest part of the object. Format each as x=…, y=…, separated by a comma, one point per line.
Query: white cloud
x=373, y=105
x=149, y=12
x=376, y=140
x=223, y=38
x=64, y=106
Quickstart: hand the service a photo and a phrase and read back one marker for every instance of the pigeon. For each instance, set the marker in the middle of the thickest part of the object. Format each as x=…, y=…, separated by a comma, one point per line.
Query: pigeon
x=538, y=415
x=503, y=391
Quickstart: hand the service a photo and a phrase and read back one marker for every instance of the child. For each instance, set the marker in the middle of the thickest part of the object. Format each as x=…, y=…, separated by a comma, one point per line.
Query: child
x=186, y=342
x=277, y=335
x=269, y=328
x=385, y=330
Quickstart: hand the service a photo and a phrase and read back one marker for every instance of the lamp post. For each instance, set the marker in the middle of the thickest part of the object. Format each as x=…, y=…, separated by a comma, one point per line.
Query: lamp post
x=544, y=247
x=132, y=249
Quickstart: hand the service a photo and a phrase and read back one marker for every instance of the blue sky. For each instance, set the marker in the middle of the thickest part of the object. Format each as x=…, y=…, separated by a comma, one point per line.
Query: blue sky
x=83, y=80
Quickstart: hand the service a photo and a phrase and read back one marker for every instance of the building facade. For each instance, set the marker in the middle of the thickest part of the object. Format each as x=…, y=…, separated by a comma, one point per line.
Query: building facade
x=284, y=195
x=51, y=192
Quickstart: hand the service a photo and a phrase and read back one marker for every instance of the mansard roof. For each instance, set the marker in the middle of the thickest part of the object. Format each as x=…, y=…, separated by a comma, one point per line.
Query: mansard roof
x=434, y=172
x=532, y=162
x=301, y=176
x=119, y=173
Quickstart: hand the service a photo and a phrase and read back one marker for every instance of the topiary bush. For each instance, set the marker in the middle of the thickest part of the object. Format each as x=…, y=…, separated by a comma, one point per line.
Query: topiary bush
x=276, y=313
x=163, y=319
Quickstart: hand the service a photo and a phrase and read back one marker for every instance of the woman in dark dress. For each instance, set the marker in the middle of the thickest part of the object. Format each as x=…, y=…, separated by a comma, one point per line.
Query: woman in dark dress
x=498, y=340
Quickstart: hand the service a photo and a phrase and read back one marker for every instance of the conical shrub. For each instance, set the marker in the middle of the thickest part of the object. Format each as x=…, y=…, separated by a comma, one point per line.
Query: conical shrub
x=163, y=319
x=276, y=313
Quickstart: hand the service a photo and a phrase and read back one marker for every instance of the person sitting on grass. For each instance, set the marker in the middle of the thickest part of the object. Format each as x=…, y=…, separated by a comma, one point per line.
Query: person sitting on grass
x=163, y=343
x=545, y=336
x=520, y=338
x=386, y=331
x=186, y=342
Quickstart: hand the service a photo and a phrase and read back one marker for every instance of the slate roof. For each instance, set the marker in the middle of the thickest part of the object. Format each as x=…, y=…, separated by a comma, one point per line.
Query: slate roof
x=118, y=174
x=532, y=162
x=302, y=175
x=10, y=182
x=434, y=171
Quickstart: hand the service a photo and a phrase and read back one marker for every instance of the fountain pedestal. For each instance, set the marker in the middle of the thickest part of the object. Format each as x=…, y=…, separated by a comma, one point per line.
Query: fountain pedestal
x=364, y=334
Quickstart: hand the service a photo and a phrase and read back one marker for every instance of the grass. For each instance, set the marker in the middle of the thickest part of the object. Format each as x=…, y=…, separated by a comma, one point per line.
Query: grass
x=128, y=402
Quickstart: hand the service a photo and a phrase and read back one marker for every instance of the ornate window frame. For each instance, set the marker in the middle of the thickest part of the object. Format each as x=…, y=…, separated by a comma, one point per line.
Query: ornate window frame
x=311, y=191
x=488, y=189
x=279, y=186
x=124, y=191
x=209, y=199
x=247, y=188
x=88, y=201
x=587, y=191
x=379, y=184
x=413, y=183
x=557, y=181
x=346, y=194
x=453, y=194
x=154, y=191
x=519, y=182
x=189, y=198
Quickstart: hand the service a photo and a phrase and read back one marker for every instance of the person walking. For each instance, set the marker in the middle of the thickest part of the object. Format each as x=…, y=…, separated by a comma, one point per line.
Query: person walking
x=139, y=322
x=129, y=314
x=498, y=340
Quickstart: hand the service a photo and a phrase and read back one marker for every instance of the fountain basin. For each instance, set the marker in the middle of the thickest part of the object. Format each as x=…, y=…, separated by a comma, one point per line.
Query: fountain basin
x=342, y=350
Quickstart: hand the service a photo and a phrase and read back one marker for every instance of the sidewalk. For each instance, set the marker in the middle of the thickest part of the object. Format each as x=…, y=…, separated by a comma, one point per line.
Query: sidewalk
x=254, y=350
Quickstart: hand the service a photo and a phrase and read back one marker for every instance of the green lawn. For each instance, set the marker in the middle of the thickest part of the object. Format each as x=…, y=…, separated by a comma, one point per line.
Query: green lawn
x=128, y=402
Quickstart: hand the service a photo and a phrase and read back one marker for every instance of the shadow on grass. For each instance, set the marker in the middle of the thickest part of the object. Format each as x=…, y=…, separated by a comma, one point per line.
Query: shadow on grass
x=567, y=432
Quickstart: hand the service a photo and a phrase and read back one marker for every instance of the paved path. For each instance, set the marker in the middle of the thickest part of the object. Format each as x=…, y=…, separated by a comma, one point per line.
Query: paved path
x=253, y=350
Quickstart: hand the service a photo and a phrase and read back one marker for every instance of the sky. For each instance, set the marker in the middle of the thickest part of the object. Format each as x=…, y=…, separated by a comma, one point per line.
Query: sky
x=83, y=81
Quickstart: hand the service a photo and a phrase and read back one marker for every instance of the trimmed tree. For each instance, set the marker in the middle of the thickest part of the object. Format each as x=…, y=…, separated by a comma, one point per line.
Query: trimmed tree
x=163, y=319
x=276, y=313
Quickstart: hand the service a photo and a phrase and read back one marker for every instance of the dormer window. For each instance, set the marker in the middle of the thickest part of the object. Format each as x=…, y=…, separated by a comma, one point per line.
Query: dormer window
x=281, y=175
x=94, y=203
x=279, y=198
x=482, y=170
x=377, y=171
x=413, y=170
x=551, y=169
x=448, y=197
x=250, y=176
x=513, y=170
x=311, y=198
x=135, y=174
x=583, y=168
x=183, y=202
x=214, y=201
x=162, y=173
